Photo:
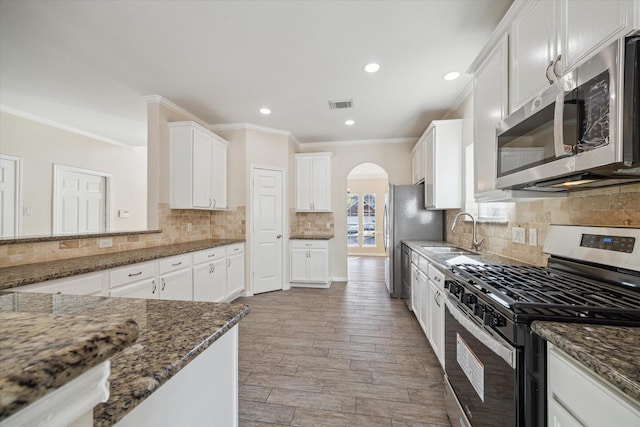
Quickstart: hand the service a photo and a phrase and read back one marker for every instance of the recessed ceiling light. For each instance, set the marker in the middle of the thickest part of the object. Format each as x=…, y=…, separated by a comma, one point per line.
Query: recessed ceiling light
x=372, y=67
x=265, y=111
x=349, y=122
x=452, y=75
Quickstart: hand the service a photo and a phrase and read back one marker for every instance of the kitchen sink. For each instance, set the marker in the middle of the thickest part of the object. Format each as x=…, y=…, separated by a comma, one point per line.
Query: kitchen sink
x=448, y=250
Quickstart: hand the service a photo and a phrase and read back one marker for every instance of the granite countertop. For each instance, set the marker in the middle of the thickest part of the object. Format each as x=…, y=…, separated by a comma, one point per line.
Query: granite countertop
x=42, y=352
x=311, y=237
x=611, y=352
x=447, y=259
x=171, y=334
x=26, y=274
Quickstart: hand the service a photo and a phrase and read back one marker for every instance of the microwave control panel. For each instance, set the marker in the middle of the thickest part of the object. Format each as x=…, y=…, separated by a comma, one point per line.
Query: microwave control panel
x=608, y=243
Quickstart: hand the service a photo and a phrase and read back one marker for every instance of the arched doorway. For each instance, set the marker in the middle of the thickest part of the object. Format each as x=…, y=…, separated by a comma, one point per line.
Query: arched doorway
x=367, y=186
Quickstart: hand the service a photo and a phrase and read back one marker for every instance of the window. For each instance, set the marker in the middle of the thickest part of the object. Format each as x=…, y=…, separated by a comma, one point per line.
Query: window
x=353, y=219
x=369, y=220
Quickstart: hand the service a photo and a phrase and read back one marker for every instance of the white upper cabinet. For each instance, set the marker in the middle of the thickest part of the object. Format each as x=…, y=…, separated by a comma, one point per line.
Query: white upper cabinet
x=490, y=98
x=313, y=182
x=442, y=165
x=550, y=38
x=417, y=162
x=198, y=168
x=533, y=51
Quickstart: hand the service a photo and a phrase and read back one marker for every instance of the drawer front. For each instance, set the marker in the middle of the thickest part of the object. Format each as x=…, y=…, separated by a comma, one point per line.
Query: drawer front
x=310, y=244
x=415, y=257
x=236, y=248
x=209, y=255
x=423, y=265
x=166, y=265
x=85, y=284
x=132, y=273
x=436, y=276
x=592, y=401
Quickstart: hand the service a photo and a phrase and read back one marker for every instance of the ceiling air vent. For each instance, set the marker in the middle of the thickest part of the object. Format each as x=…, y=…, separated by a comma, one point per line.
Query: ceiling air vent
x=338, y=105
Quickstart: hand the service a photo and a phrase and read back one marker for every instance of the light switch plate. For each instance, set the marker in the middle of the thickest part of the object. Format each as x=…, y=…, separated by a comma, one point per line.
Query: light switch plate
x=105, y=243
x=518, y=235
x=533, y=237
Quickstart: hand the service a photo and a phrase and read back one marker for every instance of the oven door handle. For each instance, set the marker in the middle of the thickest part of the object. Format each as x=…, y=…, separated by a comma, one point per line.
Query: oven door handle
x=502, y=349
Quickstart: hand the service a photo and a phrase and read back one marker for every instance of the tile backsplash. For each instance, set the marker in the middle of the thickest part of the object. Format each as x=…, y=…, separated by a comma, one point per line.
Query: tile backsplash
x=177, y=225
x=311, y=223
x=611, y=206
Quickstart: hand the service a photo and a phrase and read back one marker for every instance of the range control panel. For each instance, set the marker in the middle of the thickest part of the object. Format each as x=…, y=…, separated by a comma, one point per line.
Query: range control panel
x=608, y=243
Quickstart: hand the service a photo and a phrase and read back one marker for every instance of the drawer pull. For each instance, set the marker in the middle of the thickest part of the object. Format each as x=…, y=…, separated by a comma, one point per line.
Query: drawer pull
x=211, y=256
x=308, y=244
x=236, y=249
x=135, y=274
x=176, y=264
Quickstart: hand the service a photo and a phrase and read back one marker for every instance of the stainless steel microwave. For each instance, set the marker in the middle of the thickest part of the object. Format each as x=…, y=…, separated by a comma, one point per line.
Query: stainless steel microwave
x=582, y=132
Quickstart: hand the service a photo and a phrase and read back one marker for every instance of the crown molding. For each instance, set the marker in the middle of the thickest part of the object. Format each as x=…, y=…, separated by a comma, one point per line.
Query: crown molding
x=359, y=142
x=61, y=126
x=158, y=99
x=257, y=128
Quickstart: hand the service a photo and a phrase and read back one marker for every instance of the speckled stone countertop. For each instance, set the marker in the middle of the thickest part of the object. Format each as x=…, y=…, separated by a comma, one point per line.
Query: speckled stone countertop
x=52, y=238
x=311, y=237
x=611, y=352
x=171, y=334
x=41, y=352
x=39, y=272
x=447, y=259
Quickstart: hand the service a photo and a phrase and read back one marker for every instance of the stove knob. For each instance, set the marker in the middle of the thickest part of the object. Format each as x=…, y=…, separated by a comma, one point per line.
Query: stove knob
x=488, y=318
x=500, y=321
x=469, y=299
x=478, y=309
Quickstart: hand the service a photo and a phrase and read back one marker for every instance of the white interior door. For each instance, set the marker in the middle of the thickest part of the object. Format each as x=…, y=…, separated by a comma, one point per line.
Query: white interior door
x=9, y=196
x=267, y=236
x=80, y=201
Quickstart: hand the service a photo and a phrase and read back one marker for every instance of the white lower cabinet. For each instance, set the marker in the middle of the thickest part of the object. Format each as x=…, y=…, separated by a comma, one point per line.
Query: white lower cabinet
x=214, y=275
x=577, y=397
x=310, y=263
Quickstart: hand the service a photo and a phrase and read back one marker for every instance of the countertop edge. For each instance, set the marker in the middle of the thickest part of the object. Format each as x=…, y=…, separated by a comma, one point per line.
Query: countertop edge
x=571, y=344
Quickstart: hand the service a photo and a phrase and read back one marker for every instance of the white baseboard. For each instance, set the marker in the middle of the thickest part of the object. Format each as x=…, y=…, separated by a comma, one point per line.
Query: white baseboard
x=310, y=285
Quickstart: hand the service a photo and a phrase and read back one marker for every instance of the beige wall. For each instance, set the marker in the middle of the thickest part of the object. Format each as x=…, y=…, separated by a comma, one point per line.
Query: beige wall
x=378, y=187
x=394, y=158
x=40, y=146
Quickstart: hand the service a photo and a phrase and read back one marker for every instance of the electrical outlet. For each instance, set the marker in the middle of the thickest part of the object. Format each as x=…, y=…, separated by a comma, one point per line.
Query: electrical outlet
x=308, y=225
x=189, y=227
x=517, y=235
x=328, y=225
x=105, y=243
x=533, y=237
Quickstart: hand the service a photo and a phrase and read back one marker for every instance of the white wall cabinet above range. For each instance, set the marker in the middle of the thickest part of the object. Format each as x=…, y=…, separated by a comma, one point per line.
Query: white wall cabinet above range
x=443, y=164
x=313, y=182
x=198, y=168
x=310, y=263
x=549, y=38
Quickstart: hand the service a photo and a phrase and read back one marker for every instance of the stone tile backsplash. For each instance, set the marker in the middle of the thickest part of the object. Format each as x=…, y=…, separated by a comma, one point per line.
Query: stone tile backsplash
x=311, y=223
x=177, y=225
x=611, y=206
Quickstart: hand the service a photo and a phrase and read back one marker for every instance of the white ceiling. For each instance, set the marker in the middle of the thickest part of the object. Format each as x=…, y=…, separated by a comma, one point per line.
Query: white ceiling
x=86, y=64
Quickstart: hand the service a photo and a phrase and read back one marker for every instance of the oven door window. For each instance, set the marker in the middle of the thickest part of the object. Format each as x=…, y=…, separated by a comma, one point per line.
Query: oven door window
x=482, y=381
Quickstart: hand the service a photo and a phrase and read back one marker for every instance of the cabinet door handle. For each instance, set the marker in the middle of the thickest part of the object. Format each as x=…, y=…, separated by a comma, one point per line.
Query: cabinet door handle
x=153, y=288
x=210, y=202
x=164, y=284
x=135, y=274
x=555, y=66
x=214, y=202
x=228, y=262
x=176, y=264
x=546, y=72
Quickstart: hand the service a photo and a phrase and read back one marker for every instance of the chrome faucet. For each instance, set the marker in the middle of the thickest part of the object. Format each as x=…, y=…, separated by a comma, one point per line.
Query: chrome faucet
x=474, y=243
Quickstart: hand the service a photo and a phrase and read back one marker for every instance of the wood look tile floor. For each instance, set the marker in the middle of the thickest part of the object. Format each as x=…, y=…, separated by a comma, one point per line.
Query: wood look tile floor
x=344, y=356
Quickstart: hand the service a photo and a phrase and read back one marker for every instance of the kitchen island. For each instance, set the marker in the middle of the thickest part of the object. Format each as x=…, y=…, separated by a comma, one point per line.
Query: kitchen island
x=173, y=337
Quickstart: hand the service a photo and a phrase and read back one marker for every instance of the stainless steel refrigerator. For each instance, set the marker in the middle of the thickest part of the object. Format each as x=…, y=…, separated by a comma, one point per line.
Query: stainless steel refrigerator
x=405, y=218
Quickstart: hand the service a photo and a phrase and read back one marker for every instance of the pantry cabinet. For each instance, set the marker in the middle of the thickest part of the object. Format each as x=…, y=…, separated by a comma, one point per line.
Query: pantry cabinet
x=549, y=38
x=313, y=182
x=198, y=168
x=443, y=165
x=310, y=263
x=577, y=397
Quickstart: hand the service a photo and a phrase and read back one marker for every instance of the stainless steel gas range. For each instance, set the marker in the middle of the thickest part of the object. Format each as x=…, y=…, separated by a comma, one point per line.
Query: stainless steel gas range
x=495, y=365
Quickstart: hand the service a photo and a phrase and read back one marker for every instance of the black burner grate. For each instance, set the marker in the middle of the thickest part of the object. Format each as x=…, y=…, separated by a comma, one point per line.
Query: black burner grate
x=546, y=292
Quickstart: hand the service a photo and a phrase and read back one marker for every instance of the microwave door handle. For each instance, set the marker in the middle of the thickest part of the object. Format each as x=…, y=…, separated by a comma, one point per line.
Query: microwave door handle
x=560, y=148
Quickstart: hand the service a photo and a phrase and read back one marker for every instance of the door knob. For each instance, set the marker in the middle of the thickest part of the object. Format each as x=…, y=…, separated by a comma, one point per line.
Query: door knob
x=278, y=236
